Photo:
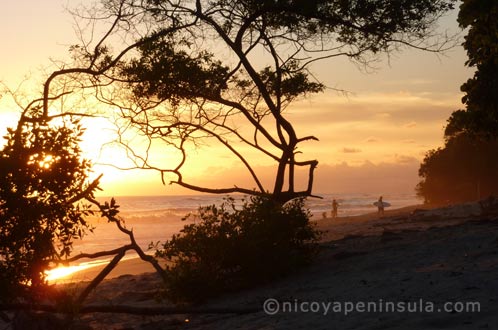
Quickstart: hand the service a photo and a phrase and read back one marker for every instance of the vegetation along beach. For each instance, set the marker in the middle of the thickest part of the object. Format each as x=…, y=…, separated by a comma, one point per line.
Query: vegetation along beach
x=195, y=164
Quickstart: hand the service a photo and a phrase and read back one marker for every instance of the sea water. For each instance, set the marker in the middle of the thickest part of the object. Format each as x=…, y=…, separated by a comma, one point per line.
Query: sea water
x=155, y=219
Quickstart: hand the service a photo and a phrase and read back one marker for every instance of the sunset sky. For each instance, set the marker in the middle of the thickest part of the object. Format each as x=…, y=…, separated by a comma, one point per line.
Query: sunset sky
x=372, y=138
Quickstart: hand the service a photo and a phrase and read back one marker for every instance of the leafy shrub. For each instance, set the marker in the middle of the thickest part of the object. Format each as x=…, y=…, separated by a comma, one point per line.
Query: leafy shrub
x=233, y=248
x=42, y=180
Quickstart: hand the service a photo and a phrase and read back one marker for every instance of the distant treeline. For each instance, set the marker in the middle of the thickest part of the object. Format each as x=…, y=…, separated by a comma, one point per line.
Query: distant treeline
x=466, y=167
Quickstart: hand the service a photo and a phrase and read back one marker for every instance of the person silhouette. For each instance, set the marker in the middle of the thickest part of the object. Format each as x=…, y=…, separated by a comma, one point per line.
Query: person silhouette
x=380, y=207
x=335, y=206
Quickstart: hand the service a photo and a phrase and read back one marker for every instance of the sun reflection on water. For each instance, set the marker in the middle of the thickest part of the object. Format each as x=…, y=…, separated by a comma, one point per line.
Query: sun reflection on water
x=65, y=272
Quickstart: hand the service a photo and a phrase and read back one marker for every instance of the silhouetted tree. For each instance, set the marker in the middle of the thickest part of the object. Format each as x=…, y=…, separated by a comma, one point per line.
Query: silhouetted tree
x=481, y=91
x=223, y=72
x=45, y=197
x=43, y=183
x=186, y=72
x=465, y=169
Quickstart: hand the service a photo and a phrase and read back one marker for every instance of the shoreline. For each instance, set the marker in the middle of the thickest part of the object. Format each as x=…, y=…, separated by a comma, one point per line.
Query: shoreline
x=133, y=265
x=334, y=229
x=403, y=257
x=407, y=256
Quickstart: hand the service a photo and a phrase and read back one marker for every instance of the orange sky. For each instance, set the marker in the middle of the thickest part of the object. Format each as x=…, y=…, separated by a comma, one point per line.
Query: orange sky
x=371, y=140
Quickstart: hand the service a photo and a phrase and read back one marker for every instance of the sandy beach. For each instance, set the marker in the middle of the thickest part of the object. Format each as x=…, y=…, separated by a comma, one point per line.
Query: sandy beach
x=414, y=269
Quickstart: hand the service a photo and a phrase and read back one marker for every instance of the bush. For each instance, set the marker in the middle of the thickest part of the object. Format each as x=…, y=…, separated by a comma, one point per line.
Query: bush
x=233, y=248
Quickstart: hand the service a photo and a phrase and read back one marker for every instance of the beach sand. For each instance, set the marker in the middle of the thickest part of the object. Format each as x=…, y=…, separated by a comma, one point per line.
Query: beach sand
x=409, y=258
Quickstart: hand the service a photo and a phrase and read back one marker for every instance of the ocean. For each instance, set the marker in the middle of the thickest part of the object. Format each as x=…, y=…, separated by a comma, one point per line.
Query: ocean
x=155, y=219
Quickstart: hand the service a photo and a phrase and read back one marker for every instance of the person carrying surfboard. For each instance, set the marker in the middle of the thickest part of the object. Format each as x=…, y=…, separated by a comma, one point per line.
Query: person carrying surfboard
x=380, y=207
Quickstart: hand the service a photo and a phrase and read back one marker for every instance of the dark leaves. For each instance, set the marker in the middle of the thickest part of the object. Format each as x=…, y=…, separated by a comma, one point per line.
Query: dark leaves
x=172, y=74
x=42, y=180
x=481, y=91
x=233, y=247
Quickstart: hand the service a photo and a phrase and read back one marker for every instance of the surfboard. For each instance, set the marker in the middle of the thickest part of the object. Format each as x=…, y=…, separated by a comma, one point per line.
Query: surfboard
x=385, y=204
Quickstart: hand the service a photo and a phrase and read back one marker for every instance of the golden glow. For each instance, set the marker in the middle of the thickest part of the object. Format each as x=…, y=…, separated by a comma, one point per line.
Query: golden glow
x=45, y=162
x=377, y=128
x=65, y=272
x=392, y=116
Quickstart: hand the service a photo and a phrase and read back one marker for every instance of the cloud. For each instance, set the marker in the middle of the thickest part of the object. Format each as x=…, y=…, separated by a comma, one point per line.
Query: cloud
x=369, y=178
x=383, y=115
x=347, y=150
x=398, y=177
x=404, y=159
x=410, y=124
x=399, y=108
x=372, y=139
x=408, y=82
x=409, y=141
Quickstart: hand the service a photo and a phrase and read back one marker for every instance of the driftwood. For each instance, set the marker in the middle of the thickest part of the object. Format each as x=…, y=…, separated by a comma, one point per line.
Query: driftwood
x=118, y=254
x=100, y=277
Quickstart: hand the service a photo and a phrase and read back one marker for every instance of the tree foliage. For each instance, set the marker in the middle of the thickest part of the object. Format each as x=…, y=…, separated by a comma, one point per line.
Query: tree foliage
x=43, y=180
x=237, y=247
x=223, y=73
x=465, y=168
x=481, y=91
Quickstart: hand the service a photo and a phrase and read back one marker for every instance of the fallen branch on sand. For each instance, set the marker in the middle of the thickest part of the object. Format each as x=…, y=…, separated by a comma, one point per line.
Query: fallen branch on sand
x=109, y=211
